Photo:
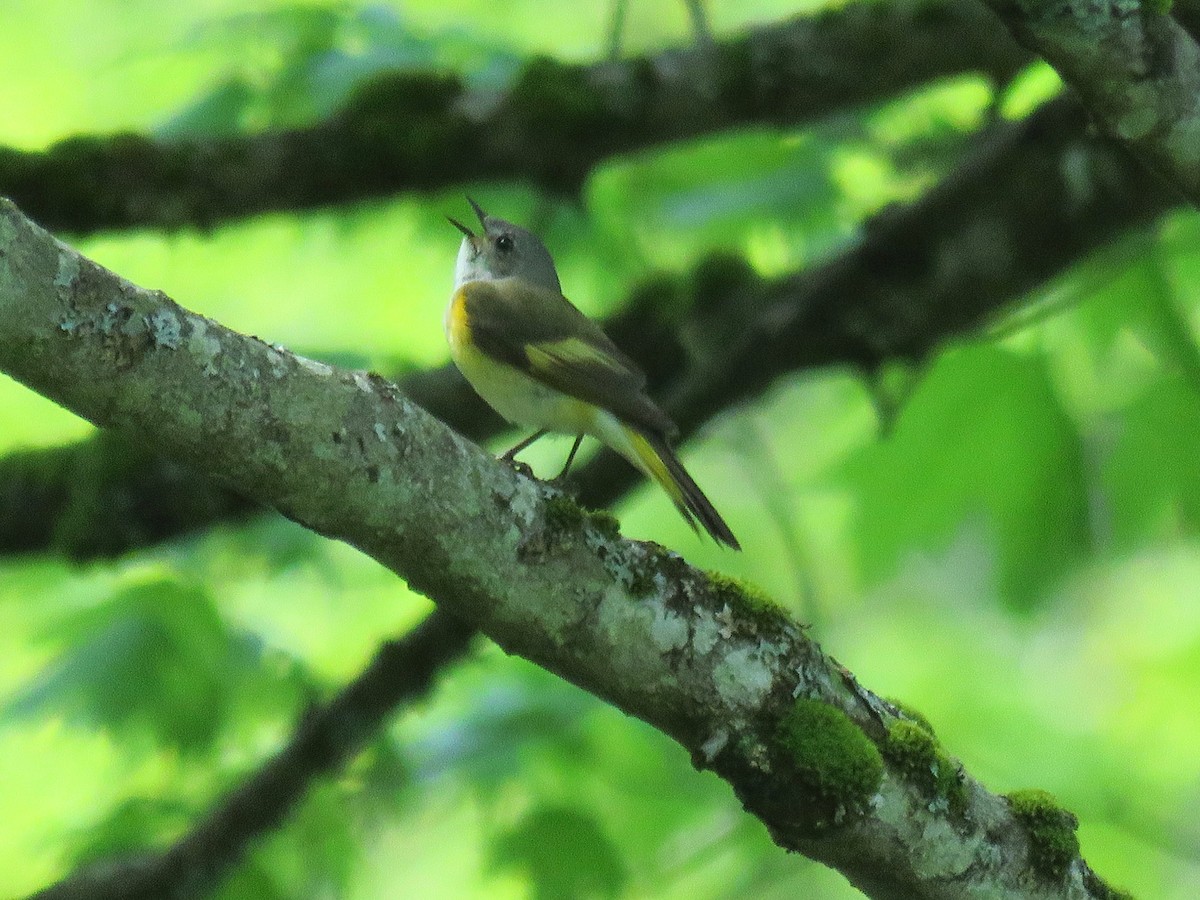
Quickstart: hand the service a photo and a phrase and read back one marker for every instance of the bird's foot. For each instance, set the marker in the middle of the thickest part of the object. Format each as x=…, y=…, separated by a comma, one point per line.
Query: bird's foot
x=521, y=468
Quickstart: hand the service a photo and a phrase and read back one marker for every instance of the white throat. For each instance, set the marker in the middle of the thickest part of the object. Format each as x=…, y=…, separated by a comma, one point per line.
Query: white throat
x=469, y=265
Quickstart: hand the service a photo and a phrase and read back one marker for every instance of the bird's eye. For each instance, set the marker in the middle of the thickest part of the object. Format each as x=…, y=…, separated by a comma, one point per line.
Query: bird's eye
x=504, y=243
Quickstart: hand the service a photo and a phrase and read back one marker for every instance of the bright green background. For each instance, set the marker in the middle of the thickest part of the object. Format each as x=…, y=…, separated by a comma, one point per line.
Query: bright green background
x=1005, y=538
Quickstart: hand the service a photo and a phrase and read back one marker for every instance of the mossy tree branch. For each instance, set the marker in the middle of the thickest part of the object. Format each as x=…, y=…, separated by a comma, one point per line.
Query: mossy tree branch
x=722, y=671
x=552, y=126
x=1136, y=67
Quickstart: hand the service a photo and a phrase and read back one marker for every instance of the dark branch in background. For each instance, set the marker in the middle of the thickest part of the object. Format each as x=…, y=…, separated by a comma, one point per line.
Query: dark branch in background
x=556, y=122
x=1136, y=68
x=104, y=496
x=1034, y=198
x=1031, y=200
x=402, y=671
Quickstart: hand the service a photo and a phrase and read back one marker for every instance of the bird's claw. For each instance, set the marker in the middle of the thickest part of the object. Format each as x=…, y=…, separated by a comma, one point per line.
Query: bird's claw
x=521, y=468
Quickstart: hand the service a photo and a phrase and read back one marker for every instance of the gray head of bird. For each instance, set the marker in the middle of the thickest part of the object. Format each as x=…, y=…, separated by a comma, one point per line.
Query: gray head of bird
x=502, y=250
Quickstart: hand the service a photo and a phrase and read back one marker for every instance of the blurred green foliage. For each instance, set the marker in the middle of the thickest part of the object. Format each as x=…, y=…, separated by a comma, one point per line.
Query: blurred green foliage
x=1004, y=537
x=563, y=852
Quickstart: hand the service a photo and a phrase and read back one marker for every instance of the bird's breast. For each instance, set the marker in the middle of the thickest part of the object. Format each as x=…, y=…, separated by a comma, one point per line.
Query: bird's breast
x=518, y=397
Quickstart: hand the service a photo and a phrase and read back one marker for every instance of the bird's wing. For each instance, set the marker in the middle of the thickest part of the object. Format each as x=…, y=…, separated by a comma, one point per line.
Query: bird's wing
x=542, y=334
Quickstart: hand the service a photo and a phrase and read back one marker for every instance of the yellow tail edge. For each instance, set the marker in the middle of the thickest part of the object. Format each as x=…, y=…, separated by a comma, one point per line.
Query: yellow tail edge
x=656, y=458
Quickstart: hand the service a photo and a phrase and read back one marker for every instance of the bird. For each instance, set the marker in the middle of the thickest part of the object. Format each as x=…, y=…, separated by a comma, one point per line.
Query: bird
x=541, y=363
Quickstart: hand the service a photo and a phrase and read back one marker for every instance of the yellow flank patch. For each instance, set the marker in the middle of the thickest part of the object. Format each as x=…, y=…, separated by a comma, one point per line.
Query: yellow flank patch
x=458, y=331
x=568, y=352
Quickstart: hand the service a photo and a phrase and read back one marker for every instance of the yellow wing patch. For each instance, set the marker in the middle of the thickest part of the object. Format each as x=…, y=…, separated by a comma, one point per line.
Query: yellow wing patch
x=569, y=352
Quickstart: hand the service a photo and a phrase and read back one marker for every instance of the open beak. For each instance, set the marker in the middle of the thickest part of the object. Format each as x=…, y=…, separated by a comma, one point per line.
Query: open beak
x=480, y=213
x=461, y=227
x=471, y=236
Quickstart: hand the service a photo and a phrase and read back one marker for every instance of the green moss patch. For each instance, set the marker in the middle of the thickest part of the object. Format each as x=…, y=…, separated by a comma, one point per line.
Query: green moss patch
x=1052, y=840
x=565, y=515
x=914, y=751
x=830, y=754
x=912, y=713
x=749, y=603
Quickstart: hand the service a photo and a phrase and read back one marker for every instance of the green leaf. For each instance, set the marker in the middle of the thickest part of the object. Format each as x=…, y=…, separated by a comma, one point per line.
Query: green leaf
x=564, y=852
x=134, y=826
x=1169, y=333
x=154, y=658
x=253, y=881
x=517, y=706
x=221, y=111
x=984, y=441
x=1128, y=323
x=1150, y=477
x=770, y=195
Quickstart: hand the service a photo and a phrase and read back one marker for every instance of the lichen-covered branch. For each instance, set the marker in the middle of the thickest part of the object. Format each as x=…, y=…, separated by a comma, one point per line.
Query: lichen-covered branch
x=329, y=736
x=1135, y=66
x=552, y=126
x=830, y=770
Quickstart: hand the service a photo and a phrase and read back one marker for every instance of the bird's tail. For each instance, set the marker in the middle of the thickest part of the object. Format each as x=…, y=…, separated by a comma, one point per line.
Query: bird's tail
x=655, y=457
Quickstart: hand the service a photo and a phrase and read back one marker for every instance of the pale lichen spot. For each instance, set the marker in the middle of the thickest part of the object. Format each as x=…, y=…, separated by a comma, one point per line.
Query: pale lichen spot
x=203, y=346
x=743, y=678
x=523, y=500
x=317, y=368
x=706, y=632
x=669, y=631
x=619, y=622
x=68, y=271
x=727, y=621
x=277, y=360
x=165, y=328
x=802, y=682
x=380, y=432
x=110, y=318
x=941, y=849
x=714, y=744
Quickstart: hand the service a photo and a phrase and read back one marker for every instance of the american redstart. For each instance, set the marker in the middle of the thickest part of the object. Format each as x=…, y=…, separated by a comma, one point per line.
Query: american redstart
x=540, y=362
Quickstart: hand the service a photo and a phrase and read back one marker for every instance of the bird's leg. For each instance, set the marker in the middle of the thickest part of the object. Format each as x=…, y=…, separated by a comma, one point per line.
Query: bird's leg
x=570, y=459
x=510, y=456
